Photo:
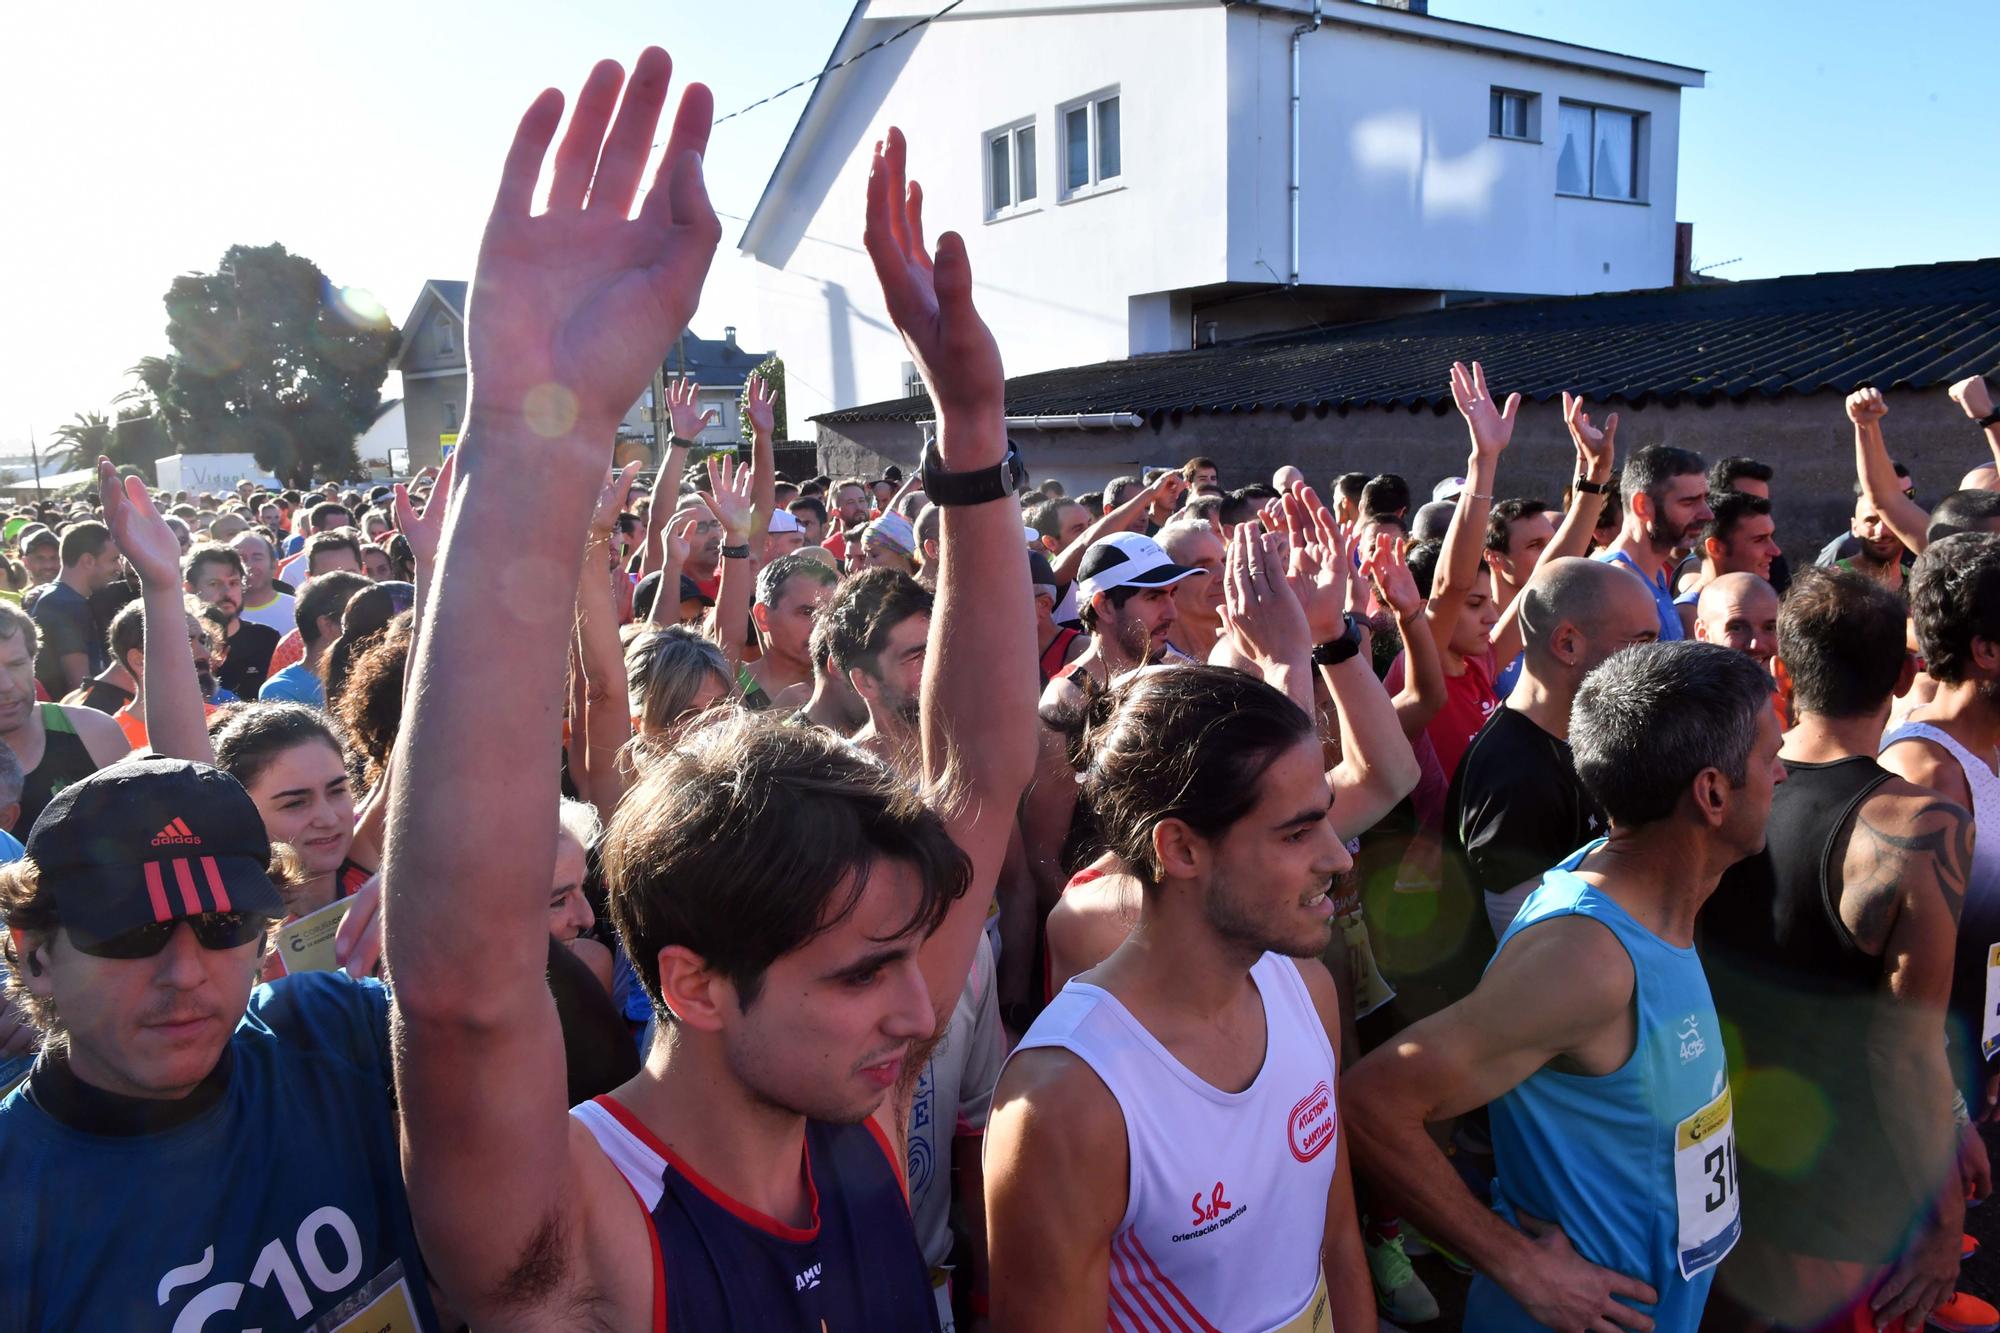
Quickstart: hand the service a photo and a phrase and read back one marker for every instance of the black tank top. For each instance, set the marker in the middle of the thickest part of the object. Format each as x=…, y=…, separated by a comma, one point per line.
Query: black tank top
x=1820, y=1174
x=65, y=759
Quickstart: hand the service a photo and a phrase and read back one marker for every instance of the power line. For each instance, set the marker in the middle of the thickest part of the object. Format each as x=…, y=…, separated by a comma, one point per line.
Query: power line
x=839, y=64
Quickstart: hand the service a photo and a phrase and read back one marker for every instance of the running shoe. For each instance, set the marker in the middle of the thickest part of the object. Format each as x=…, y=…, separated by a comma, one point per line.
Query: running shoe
x=1402, y=1295
x=1965, y=1314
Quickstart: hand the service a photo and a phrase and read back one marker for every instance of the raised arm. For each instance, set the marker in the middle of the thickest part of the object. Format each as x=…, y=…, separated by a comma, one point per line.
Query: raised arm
x=1596, y=448
x=1388, y=568
x=1458, y=564
x=1973, y=397
x=728, y=497
x=1549, y=992
x=1126, y=517
x=1905, y=517
x=571, y=310
x=176, y=719
x=687, y=422
x=760, y=405
x=601, y=718
x=978, y=695
x=678, y=545
x=1261, y=616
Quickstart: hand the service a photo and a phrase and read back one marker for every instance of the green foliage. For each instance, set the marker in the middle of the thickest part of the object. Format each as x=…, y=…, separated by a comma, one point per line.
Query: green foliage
x=773, y=373
x=269, y=359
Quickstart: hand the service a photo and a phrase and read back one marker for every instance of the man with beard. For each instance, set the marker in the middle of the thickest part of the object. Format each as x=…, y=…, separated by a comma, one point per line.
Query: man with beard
x=72, y=637
x=41, y=553
x=791, y=592
x=810, y=514
x=1666, y=505
x=1197, y=626
x=128, y=643
x=1879, y=552
x=215, y=575
x=263, y=604
x=56, y=744
x=1125, y=599
x=877, y=630
x=1739, y=611
x=1136, y=1172
x=1741, y=538
x=703, y=566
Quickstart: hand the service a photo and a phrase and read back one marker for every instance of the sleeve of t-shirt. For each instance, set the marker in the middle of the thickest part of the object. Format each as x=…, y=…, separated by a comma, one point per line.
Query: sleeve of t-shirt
x=333, y=1013
x=62, y=629
x=988, y=1047
x=1513, y=831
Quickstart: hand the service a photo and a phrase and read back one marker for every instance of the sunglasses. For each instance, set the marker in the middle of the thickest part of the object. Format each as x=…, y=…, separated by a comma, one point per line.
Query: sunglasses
x=212, y=930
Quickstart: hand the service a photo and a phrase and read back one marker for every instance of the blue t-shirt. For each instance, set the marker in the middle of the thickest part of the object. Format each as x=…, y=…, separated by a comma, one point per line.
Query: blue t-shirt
x=1663, y=595
x=279, y=1207
x=295, y=684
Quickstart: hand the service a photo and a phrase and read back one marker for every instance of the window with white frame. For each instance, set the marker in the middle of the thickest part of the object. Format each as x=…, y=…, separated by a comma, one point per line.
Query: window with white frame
x=450, y=415
x=447, y=336
x=1010, y=169
x=1601, y=152
x=1512, y=114
x=1091, y=152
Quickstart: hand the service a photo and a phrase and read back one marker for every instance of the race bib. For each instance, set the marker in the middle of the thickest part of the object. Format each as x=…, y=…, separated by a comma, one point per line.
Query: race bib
x=1705, y=1186
x=1989, y=1034
x=1317, y=1317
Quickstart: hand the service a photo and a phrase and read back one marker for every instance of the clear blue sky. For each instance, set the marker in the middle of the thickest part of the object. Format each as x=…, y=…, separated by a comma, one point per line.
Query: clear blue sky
x=147, y=138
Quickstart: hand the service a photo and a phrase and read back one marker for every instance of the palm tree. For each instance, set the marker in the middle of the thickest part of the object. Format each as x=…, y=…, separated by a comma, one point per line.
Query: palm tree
x=84, y=439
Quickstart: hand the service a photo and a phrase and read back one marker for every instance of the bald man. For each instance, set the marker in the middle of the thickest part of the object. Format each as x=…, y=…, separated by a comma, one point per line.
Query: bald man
x=1739, y=611
x=1286, y=476
x=1197, y=623
x=1515, y=807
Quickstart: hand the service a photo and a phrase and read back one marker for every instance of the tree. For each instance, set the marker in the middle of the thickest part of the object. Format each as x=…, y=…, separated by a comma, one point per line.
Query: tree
x=78, y=442
x=773, y=373
x=271, y=359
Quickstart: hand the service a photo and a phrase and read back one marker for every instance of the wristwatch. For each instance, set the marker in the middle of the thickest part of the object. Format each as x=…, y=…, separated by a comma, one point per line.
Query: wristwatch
x=682, y=442
x=972, y=488
x=1589, y=487
x=1335, y=651
x=1990, y=419
x=736, y=552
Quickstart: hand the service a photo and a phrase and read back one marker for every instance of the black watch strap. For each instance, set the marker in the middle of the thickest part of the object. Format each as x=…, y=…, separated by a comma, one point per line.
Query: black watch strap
x=1589, y=487
x=741, y=552
x=1335, y=651
x=1990, y=419
x=978, y=486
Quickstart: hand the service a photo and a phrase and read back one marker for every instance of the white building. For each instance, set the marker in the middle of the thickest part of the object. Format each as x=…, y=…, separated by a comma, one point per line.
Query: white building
x=1123, y=173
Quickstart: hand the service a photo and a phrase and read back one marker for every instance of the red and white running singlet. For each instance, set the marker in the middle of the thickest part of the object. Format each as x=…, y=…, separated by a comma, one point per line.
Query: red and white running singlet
x=1226, y=1203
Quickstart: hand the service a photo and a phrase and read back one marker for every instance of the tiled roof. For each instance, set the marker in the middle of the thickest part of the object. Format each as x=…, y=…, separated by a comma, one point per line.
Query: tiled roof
x=1915, y=326
x=713, y=362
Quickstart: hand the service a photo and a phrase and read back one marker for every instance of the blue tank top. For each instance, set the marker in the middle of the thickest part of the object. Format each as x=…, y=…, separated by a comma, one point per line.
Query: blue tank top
x=1638, y=1166
x=725, y=1266
x=280, y=1207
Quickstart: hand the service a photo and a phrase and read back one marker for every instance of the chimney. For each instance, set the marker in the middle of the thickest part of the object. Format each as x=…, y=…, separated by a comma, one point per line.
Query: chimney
x=1683, y=254
x=729, y=334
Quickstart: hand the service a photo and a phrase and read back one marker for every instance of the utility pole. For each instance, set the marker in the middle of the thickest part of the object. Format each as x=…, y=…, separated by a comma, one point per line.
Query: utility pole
x=35, y=456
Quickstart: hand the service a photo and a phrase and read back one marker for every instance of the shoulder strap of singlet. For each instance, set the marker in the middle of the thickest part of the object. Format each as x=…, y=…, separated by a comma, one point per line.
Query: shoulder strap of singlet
x=56, y=720
x=1052, y=657
x=1826, y=875
x=1081, y=678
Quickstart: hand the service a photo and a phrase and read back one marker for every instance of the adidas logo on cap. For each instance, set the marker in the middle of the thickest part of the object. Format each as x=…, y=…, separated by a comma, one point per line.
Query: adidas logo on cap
x=176, y=834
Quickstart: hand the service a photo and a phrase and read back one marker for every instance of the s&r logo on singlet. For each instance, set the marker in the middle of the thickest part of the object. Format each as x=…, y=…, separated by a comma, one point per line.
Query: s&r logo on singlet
x=1312, y=1123
x=1212, y=1209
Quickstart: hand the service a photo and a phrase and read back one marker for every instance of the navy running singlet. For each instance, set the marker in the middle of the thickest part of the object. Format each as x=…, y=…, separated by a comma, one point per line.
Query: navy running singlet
x=725, y=1266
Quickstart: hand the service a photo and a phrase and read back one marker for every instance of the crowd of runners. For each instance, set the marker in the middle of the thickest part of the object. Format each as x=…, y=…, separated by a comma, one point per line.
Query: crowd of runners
x=534, y=899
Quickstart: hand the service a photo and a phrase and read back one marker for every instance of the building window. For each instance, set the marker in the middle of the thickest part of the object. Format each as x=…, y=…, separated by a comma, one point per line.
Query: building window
x=447, y=336
x=913, y=383
x=1092, y=153
x=1601, y=155
x=1010, y=169
x=450, y=415
x=1512, y=114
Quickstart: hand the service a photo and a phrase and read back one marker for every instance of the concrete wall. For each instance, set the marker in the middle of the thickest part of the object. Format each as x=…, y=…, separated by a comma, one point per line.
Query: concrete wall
x=1807, y=439
x=428, y=403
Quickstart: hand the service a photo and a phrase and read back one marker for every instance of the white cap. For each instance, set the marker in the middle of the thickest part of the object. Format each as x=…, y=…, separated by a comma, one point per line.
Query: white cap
x=782, y=521
x=1127, y=560
x=1448, y=489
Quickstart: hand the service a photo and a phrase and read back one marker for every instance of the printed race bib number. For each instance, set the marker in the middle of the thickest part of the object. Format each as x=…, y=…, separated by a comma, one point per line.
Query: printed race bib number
x=1705, y=1186
x=1989, y=1035
x=1317, y=1317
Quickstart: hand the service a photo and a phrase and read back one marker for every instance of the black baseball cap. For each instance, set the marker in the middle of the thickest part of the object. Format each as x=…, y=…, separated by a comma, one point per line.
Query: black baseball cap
x=691, y=591
x=149, y=840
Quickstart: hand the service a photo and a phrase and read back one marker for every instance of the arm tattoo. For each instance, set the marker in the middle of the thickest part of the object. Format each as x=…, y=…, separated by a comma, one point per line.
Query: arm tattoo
x=1936, y=844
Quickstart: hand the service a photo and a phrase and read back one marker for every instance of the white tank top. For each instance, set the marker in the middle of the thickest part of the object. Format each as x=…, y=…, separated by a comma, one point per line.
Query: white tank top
x=1984, y=876
x=1226, y=1199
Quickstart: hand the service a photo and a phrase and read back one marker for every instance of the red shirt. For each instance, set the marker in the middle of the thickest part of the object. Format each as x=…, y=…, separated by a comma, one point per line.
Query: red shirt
x=1468, y=699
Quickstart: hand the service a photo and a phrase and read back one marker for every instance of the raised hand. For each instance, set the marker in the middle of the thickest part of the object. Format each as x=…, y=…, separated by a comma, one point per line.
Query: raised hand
x=1387, y=569
x=1594, y=447
x=930, y=301
x=1258, y=606
x=1972, y=396
x=1492, y=427
x=760, y=404
x=611, y=500
x=1866, y=408
x=573, y=308
x=680, y=538
x=1317, y=560
x=143, y=537
x=424, y=527
x=684, y=407
x=728, y=498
